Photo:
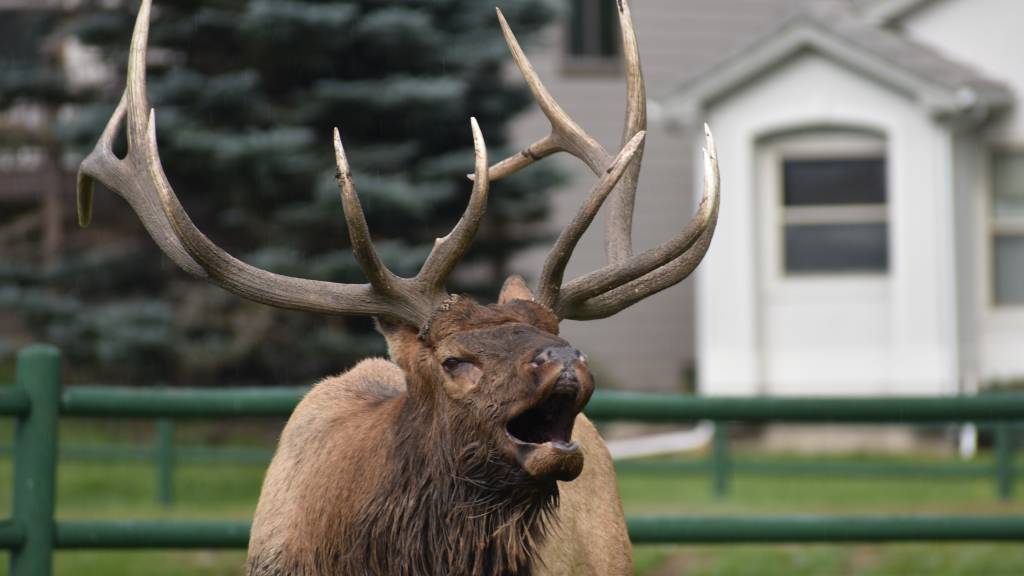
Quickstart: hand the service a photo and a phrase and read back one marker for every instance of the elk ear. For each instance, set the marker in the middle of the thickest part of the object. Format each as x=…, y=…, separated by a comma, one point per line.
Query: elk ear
x=403, y=343
x=515, y=288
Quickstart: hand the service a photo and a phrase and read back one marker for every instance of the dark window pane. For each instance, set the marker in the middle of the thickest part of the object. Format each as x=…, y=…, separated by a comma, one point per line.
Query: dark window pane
x=609, y=32
x=829, y=182
x=594, y=28
x=577, y=28
x=1009, y=263
x=837, y=248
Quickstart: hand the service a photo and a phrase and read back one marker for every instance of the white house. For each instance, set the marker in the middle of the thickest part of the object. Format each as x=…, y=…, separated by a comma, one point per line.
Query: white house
x=871, y=234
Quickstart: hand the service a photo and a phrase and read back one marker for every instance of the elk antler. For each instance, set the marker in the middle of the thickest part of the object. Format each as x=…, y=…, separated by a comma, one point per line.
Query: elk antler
x=627, y=278
x=139, y=178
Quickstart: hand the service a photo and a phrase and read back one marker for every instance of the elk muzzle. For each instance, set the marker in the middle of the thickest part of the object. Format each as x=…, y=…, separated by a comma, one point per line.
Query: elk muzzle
x=541, y=429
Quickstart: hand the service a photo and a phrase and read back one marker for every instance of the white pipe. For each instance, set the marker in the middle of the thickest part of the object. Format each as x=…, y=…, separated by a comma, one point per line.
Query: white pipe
x=691, y=440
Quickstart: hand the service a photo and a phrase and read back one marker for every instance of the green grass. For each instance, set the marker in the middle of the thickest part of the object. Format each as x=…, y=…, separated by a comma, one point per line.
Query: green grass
x=101, y=490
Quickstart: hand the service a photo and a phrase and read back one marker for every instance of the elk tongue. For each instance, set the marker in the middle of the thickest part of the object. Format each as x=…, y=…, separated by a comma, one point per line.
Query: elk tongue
x=556, y=460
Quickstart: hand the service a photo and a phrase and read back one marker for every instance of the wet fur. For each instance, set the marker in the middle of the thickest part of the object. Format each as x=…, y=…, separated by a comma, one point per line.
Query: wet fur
x=456, y=512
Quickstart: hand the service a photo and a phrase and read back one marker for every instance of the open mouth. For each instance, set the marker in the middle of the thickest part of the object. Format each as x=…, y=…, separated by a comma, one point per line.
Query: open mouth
x=550, y=420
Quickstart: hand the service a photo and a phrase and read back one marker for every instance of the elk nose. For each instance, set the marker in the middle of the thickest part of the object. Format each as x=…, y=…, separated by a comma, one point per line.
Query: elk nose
x=565, y=355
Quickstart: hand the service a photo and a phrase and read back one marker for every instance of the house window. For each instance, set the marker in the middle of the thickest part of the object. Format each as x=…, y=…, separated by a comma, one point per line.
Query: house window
x=834, y=214
x=593, y=30
x=1008, y=226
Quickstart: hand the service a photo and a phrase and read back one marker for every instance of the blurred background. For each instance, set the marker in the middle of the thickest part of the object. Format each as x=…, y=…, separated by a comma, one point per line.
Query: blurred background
x=870, y=241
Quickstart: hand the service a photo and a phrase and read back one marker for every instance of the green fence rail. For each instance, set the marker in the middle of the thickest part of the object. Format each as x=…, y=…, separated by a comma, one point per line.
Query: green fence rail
x=37, y=401
x=722, y=466
x=718, y=464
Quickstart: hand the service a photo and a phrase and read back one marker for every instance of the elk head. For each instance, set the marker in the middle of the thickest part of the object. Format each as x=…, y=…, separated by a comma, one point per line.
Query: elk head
x=499, y=370
x=499, y=378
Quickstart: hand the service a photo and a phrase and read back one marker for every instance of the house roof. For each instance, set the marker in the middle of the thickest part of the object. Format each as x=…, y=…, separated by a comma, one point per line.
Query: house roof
x=840, y=32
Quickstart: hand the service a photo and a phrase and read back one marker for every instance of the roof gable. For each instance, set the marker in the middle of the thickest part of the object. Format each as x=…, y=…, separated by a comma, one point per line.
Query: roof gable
x=943, y=86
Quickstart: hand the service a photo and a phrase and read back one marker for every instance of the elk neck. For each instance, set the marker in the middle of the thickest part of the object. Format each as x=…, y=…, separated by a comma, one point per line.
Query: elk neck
x=451, y=503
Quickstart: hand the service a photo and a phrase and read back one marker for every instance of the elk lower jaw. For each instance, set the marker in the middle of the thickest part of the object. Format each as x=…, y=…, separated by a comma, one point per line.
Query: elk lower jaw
x=542, y=438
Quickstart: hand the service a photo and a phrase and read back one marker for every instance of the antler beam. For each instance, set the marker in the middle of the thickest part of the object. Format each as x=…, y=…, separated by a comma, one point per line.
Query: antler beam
x=140, y=179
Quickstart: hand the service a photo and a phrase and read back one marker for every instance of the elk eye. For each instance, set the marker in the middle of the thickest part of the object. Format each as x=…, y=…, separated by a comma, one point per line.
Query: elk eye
x=451, y=363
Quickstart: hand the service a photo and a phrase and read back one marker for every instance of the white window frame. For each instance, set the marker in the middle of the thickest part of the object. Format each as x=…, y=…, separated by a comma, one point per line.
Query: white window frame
x=995, y=227
x=819, y=145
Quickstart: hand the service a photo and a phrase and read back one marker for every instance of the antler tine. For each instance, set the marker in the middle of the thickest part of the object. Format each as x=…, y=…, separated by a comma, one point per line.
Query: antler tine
x=566, y=135
x=102, y=155
x=613, y=288
x=138, y=101
x=619, y=225
x=358, y=232
x=551, y=275
x=121, y=175
x=449, y=250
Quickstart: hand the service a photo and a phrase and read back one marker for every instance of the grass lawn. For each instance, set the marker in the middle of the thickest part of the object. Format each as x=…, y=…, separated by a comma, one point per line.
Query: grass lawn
x=103, y=490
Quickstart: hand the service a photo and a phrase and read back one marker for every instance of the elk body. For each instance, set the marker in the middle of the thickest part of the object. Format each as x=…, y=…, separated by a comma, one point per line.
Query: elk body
x=418, y=466
x=466, y=452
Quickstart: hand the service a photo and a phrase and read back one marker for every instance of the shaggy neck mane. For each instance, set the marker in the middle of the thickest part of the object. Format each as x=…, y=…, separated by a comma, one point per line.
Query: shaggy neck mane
x=451, y=504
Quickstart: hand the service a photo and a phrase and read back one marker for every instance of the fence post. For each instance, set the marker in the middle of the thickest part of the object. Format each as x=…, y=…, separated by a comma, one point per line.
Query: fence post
x=721, y=467
x=1004, y=460
x=165, y=461
x=35, y=460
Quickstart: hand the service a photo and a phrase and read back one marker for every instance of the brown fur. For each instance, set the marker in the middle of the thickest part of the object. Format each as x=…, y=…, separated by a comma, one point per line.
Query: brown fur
x=394, y=468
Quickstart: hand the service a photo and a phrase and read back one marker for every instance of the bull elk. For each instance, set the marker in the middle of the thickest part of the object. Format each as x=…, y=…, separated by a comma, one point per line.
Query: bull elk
x=464, y=453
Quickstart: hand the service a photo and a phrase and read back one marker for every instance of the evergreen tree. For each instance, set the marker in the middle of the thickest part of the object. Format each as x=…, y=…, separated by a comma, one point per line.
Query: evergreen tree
x=247, y=93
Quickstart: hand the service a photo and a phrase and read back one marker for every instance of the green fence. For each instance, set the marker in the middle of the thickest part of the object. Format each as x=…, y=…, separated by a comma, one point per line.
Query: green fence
x=721, y=466
x=37, y=401
x=719, y=463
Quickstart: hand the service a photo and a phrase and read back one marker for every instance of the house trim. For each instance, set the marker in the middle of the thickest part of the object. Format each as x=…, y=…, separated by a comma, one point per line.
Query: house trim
x=885, y=12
